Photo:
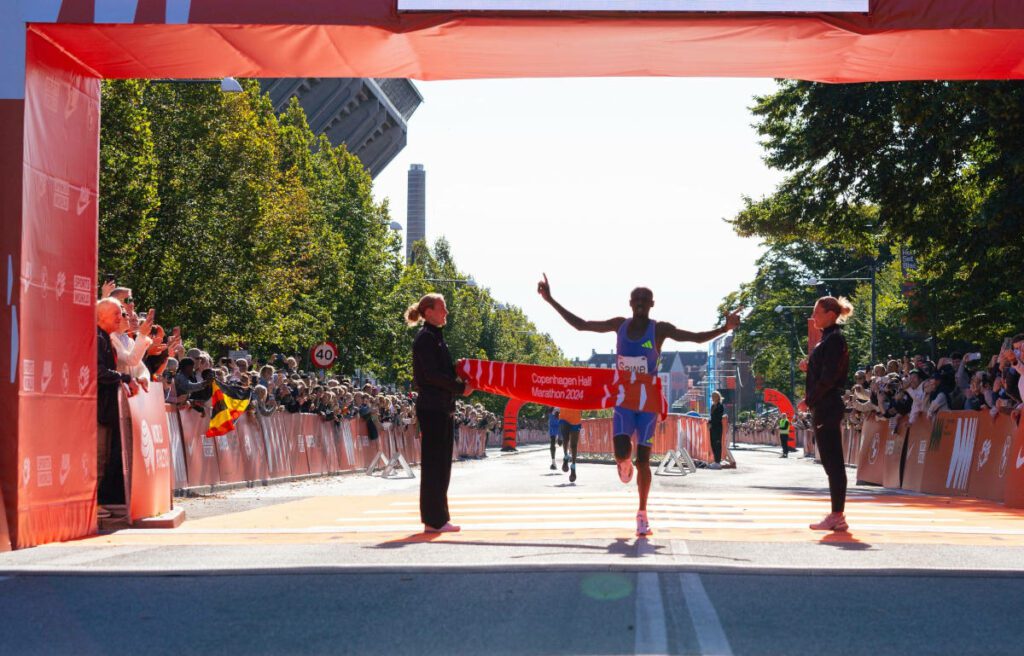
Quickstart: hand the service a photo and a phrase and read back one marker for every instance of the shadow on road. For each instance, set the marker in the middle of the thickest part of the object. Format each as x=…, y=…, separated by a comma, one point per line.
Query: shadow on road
x=845, y=541
x=625, y=547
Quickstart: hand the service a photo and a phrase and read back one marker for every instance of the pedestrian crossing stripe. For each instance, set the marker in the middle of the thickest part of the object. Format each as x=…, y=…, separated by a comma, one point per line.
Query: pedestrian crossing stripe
x=904, y=519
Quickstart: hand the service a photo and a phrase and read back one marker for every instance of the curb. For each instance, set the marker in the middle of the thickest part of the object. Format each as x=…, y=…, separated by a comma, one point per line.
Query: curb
x=454, y=568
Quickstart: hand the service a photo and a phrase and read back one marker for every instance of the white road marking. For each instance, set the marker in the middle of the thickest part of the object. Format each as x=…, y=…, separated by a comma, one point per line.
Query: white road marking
x=651, y=634
x=710, y=634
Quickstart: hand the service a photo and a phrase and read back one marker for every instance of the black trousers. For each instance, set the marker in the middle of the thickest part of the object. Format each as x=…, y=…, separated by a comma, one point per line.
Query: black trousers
x=784, y=439
x=437, y=439
x=716, y=442
x=828, y=440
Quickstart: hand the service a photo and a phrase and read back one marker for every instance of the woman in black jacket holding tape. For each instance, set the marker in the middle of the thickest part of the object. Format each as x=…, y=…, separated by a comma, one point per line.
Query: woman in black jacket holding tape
x=826, y=370
x=434, y=378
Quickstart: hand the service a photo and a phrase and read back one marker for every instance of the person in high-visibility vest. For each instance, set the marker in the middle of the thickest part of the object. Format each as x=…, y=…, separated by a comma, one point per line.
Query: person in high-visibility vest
x=785, y=426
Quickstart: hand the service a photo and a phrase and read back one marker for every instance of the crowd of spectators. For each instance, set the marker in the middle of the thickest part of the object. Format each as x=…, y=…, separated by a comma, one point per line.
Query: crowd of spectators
x=918, y=387
x=144, y=351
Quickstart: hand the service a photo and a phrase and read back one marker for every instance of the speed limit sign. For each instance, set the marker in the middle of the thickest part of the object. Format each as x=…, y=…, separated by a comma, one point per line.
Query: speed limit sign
x=324, y=354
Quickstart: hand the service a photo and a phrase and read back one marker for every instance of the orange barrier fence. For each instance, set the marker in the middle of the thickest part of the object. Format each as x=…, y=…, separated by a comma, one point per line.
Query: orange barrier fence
x=960, y=453
x=673, y=433
x=280, y=445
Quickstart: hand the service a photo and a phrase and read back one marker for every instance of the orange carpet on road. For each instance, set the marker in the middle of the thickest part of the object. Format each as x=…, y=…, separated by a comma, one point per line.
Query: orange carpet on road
x=529, y=518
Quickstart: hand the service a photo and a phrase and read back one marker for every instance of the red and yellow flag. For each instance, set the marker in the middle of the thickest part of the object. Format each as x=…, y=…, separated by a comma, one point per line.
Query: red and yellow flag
x=229, y=402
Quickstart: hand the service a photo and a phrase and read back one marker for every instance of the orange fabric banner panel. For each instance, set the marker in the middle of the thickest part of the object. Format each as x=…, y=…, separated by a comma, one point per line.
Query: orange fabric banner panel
x=584, y=388
x=897, y=39
x=177, y=448
x=309, y=425
x=892, y=454
x=296, y=443
x=871, y=459
x=150, y=486
x=48, y=446
x=919, y=436
x=325, y=434
x=5, y=534
x=253, y=448
x=347, y=446
x=1014, y=495
x=200, y=451
x=951, y=453
x=229, y=457
x=276, y=443
x=992, y=456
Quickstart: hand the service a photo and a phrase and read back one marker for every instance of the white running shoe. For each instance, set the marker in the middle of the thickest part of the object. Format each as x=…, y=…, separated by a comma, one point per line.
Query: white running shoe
x=642, y=526
x=447, y=528
x=833, y=522
x=626, y=470
x=715, y=465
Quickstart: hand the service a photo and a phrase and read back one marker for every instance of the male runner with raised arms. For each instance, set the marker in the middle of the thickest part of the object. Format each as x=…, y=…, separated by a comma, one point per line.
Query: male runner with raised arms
x=639, y=344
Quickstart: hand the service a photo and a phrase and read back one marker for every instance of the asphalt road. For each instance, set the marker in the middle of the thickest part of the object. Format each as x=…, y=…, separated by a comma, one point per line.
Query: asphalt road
x=542, y=567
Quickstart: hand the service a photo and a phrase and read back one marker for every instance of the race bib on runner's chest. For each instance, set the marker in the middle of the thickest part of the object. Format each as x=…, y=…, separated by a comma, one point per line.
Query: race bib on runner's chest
x=637, y=363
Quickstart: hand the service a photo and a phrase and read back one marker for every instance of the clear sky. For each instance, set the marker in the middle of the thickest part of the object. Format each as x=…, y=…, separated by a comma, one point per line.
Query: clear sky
x=604, y=184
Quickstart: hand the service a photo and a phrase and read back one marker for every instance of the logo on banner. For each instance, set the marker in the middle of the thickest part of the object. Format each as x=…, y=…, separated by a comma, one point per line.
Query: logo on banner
x=83, y=290
x=44, y=380
x=39, y=182
x=72, y=104
x=85, y=465
x=248, y=445
x=1020, y=458
x=208, y=450
x=1005, y=457
x=26, y=471
x=65, y=377
x=60, y=285
x=28, y=375
x=148, y=452
x=963, y=452
x=922, y=451
x=61, y=195
x=26, y=277
x=83, y=201
x=44, y=470
x=65, y=467
x=45, y=280
x=873, y=454
x=51, y=93
x=84, y=375
x=890, y=446
x=983, y=455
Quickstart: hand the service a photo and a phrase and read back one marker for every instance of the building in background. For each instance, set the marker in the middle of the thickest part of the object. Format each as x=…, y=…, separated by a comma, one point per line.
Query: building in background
x=368, y=115
x=729, y=372
x=679, y=372
x=416, y=209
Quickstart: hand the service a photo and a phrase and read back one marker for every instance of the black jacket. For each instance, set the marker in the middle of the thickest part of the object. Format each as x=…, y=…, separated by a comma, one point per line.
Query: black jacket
x=827, y=368
x=108, y=379
x=433, y=373
x=717, y=413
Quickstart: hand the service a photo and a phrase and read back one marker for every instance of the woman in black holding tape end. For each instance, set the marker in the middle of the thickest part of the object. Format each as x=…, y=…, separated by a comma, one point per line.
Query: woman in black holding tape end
x=434, y=378
x=826, y=370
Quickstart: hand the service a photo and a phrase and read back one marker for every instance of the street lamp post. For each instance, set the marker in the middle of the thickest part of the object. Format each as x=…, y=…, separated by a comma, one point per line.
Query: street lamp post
x=788, y=309
x=874, y=298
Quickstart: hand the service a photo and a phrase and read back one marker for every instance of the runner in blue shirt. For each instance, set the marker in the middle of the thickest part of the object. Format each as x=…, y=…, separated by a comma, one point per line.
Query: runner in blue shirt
x=639, y=344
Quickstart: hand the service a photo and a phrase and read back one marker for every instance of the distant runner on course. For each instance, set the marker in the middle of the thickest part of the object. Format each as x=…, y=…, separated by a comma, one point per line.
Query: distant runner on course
x=638, y=347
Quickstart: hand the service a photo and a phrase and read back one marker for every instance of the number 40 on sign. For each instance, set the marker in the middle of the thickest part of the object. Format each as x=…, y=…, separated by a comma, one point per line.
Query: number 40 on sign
x=324, y=355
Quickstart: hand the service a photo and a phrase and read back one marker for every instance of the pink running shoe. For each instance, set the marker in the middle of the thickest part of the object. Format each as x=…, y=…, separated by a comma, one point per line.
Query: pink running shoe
x=626, y=470
x=642, y=526
x=833, y=522
x=447, y=528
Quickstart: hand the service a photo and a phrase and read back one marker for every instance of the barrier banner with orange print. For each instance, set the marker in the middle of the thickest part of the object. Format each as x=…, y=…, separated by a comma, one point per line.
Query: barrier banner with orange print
x=150, y=479
x=296, y=443
x=892, y=454
x=947, y=469
x=229, y=457
x=992, y=457
x=308, y=433
x=871, y=459
x=1014, y=495
x=253, y=448
x=582, y=388
x=918, y=438
x=200, y=451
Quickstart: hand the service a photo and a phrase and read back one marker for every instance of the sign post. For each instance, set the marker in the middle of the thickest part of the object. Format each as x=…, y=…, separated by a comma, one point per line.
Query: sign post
x=324, y=355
